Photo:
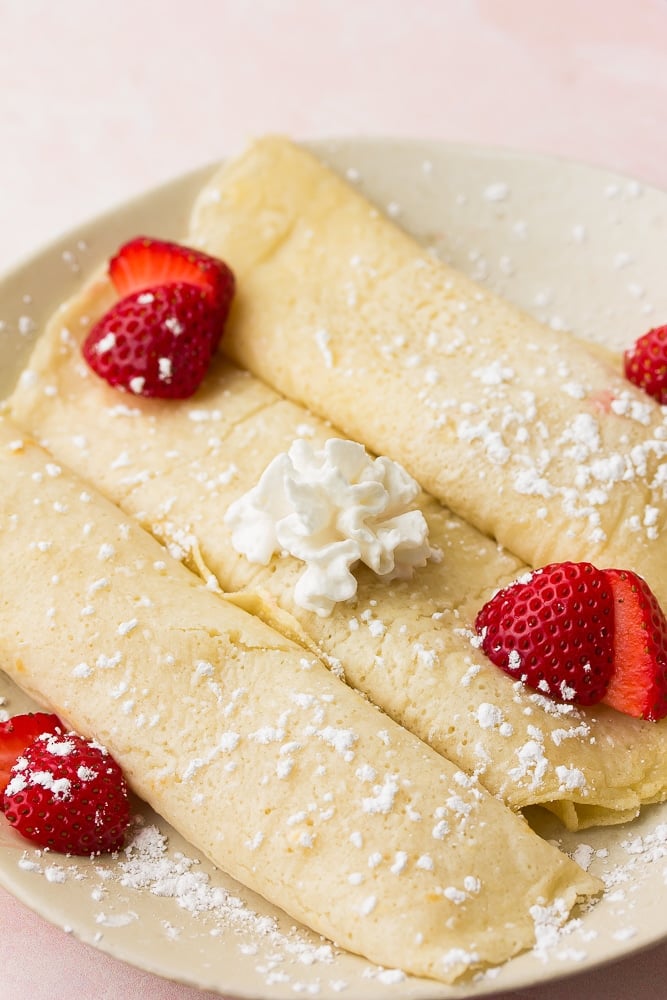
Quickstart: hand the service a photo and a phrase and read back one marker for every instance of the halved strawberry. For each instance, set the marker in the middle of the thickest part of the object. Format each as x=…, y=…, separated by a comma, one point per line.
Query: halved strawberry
x=638, y=686
x=68, y=794
x=15, y=735
x=553, y=631
x=145, y=262
x=156, y=342
x=645, y=363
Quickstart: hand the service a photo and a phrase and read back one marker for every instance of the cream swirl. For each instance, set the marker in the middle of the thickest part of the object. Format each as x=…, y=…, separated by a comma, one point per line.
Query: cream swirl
x=332, y=509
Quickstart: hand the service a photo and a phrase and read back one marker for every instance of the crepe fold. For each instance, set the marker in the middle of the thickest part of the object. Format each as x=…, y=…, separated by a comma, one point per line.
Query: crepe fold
x=520, y=430
x=285, y=777
x=407, y=645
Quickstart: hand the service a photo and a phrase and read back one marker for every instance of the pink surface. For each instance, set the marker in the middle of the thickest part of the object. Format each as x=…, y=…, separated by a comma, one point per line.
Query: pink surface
x=101, y=101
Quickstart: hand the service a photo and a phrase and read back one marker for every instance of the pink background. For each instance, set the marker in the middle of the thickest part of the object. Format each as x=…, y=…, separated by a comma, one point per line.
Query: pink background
x=102, y=101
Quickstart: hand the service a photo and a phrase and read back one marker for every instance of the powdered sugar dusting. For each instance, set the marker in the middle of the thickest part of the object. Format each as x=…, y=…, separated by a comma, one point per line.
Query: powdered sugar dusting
x=148, y=866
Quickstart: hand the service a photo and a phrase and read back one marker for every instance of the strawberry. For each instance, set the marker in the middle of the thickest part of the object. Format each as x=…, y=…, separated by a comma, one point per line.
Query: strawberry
x=553, y=630
x=156, y=342
x=645, y=364
x=638, y=686
x=68, y=794
x=145, y=262
x=15, y=735
x=160, y=338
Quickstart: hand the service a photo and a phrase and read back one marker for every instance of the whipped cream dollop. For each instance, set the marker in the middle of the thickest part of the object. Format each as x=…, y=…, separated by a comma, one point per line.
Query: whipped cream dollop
x=332, y=508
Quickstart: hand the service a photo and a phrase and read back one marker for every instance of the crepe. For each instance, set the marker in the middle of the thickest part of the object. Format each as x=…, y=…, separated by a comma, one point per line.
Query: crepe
x=177, y=466
x=286, y=778
x=522, y=431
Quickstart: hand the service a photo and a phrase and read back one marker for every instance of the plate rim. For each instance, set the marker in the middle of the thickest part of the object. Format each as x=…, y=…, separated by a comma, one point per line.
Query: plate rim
x=318, y=145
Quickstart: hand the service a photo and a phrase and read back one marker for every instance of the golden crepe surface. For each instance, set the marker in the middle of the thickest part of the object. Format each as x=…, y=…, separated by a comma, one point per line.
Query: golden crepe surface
x=281, y=774
x=176, y=467
x=525, y=433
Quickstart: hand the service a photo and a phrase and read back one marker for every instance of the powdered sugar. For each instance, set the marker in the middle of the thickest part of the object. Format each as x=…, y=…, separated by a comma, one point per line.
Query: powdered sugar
x=147, y=865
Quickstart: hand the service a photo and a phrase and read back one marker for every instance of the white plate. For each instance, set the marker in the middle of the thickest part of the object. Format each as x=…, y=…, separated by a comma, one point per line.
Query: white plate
x=578, y=247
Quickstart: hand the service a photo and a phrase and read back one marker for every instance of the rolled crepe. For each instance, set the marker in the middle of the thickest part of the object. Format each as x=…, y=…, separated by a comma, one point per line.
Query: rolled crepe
x=520, y=430
x=286, y=778
x=407, y=645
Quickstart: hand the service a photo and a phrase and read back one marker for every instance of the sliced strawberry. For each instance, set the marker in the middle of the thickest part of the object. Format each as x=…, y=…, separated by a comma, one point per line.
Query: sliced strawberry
x=553, y=631
x=145, y=262
x=645, y=363
x=157, y=342
x=638, y=686
x=15, y=735
x=68, y=794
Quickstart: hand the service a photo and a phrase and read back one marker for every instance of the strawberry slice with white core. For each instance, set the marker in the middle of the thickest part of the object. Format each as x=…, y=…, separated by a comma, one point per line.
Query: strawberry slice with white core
x=581, y=634
x=145, y=262
x=638, y=686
